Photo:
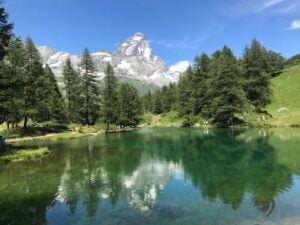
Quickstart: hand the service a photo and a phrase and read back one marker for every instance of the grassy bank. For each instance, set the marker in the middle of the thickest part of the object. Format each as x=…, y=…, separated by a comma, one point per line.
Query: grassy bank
x=53, y=132
x=23, y=155
x=15, y=138
x=172, y=119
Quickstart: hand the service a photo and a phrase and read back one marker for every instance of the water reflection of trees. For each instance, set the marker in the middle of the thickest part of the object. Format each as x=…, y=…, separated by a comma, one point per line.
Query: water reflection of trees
x=225, y=166
x=135, y=167
x=222, y=164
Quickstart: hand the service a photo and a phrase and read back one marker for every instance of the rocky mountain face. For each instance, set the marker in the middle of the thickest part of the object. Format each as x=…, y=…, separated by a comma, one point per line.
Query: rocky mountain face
x=133, y=61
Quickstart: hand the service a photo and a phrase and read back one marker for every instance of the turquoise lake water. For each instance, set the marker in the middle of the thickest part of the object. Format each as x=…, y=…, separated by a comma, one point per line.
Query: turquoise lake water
x=159, y=176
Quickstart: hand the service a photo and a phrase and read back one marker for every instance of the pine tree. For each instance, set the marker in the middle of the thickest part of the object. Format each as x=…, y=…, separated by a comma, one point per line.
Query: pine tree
x=147, y=102
x=257, y=81
x=90, y=90
x=227, y=97
x=200, y=80
x=72, y=89
x=157, y=107
x=110, y=98
x=275, y=63
x=165, y=101
x=34, y=82
x=5, y=31
x=130, y=108
x=12, y=80
x=52, y=98
x=185, y=98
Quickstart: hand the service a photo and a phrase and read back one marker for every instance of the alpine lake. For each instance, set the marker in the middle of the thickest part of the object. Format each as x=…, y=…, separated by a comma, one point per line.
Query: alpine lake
x=163, y=176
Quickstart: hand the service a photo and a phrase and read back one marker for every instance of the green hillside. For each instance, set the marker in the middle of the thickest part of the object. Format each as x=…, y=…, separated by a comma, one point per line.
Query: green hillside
x=285, y=106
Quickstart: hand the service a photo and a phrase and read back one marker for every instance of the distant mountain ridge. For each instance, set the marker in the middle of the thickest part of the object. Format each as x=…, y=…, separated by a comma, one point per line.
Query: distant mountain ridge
x=133, y=60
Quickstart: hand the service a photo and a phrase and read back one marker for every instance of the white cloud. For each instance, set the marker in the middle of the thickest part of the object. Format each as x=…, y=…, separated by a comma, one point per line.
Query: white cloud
x=269, y=3
x=292, y=7
x=246, y=7
x=179, y=67
x=294, y=25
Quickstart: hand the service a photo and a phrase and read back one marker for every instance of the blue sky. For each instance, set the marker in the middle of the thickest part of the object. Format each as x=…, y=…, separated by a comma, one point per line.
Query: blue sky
x=177, y=29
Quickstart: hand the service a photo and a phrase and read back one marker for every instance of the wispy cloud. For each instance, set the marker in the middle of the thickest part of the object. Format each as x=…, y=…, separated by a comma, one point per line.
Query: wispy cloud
x=263, y=6
x=292, y=7
x=268, y=4
x=173, y=44
x=295, y=25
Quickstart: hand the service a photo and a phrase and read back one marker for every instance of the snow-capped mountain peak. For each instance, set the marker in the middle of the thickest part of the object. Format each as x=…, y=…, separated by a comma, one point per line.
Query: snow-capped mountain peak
x=133, y=60
x=135, y=45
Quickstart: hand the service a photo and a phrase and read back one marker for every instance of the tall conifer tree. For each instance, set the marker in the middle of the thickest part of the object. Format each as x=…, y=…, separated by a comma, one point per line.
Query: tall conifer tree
x=12, y=79
x=110, y=98
x=53, y=100
x=147, y=102
x=227, y=97
x=90, y=90
x=72, y=89
x=186, y=100
x=200, y=80
x=130, y=108
x=34, y=80
x=5, y=31
x=257, y=80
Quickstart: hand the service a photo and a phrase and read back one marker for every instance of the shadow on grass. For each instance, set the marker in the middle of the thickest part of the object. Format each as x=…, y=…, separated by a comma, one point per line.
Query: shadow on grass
x=34, y=131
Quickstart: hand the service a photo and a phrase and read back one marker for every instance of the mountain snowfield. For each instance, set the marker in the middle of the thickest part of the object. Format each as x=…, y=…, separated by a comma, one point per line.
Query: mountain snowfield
x=133, y=61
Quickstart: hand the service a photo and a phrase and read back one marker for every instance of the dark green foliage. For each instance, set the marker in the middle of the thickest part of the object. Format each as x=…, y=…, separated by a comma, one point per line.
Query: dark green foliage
x=52, y=98
x=294, y=60
x=257, y=80
x=275, y=63
x=90, y=90
x=72, y=89
x=157, y=106
x=129, y=106
x=168, y=97
x=147, y=102
x=110, y=98
x=185, y=98
x=12, y=83
x=162, y=101
x=220, y=87
x=5, y=31
x=201, y=72
x=226, y=90
x=31, y=92
x=34, y=82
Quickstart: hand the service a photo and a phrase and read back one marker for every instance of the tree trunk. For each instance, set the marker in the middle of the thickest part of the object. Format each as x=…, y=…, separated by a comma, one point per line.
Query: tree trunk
x=107, y=128
x=25, y=122
x=7, y=124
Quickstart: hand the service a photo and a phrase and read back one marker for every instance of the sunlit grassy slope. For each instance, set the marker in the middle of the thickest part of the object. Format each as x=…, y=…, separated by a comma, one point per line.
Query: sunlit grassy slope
x=285, y=106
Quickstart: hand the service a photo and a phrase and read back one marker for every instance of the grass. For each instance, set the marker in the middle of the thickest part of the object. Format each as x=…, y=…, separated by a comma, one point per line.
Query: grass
x=40, y=130
x=171, y=119
x=54, y=132
x=285, y=106
x=72, y=131
x=24, y=155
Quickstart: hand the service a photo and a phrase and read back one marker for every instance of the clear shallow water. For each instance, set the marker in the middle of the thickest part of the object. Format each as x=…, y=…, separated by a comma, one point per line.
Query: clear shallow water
x=159, y=176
